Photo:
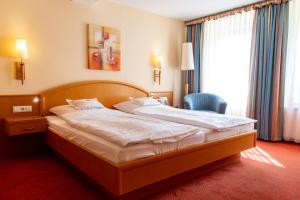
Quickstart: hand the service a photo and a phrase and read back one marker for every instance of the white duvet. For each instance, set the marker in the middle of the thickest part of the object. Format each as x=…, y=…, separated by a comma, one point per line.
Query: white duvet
x=208, y=120
x=126, y=129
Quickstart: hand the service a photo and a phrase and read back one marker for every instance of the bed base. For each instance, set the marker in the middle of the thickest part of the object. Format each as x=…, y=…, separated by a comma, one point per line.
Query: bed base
x=173, y=181
x=122, y=180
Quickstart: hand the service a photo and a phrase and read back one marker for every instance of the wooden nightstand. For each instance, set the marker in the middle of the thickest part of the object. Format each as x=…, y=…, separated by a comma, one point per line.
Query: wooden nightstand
x=25, y=125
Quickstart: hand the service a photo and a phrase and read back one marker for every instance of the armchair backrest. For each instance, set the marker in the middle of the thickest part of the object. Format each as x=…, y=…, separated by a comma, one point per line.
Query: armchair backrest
x=205, y=101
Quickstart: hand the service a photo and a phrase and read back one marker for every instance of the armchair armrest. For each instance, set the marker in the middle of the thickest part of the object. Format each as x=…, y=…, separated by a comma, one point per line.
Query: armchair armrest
x=188, y=103
x=220, y=105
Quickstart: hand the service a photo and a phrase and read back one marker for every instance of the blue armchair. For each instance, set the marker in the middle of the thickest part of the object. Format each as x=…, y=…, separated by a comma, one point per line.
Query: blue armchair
x=205, y=102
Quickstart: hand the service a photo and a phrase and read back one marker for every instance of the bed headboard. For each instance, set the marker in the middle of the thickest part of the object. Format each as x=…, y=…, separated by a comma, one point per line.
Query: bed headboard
x=108, y=92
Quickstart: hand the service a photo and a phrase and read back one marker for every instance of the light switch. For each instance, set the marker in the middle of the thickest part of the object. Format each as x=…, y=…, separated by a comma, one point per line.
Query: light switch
x=17, y=109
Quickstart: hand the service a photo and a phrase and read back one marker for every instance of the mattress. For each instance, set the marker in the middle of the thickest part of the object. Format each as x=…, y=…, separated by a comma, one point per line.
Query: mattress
x=118, y=154
x=212, y=135
x=112, y=151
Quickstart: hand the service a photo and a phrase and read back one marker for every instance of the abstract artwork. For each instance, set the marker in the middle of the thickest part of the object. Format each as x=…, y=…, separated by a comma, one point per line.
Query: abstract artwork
x=104, y=48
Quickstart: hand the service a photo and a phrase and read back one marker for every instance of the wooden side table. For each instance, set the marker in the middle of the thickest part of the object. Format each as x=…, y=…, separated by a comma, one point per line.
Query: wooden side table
x=25, y=125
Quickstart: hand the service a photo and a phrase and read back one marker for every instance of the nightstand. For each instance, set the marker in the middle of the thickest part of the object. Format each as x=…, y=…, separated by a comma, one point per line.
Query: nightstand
x=25, y=125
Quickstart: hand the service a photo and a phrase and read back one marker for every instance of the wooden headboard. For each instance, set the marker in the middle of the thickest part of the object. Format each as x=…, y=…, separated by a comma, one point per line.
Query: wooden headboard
x=107, y=92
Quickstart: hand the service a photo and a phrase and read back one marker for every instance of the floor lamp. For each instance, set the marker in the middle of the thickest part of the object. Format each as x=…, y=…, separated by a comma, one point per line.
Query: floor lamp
x=187, y=62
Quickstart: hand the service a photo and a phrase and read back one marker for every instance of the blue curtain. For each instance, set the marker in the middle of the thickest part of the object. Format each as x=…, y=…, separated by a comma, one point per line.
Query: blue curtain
x=194, y=36
x=267, y=70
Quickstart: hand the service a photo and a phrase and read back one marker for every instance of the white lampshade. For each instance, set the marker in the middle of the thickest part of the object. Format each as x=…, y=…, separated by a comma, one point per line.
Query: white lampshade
x=21, y=49
x=187, y=58
x=158, y=60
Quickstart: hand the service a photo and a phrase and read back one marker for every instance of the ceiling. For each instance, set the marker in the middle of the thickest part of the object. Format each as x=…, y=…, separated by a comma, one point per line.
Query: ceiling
x=184, y=9
x=86, y=2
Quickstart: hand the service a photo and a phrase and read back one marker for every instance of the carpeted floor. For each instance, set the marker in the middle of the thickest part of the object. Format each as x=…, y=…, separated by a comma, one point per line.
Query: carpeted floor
x=270, y=171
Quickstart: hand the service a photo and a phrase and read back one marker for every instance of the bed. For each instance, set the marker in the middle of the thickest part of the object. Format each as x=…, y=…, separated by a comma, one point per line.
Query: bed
x=122, y=178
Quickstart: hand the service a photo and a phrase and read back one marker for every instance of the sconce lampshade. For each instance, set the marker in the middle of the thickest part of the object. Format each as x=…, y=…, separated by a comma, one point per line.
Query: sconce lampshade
x=158, y=62
x=187, y=58
x=21, y=49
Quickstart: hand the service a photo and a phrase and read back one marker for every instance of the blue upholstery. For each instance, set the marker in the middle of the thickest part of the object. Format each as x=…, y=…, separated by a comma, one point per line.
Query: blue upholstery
x=205, y=102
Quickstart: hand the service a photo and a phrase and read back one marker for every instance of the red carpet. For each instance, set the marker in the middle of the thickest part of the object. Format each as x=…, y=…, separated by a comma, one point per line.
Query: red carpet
x=271, y=171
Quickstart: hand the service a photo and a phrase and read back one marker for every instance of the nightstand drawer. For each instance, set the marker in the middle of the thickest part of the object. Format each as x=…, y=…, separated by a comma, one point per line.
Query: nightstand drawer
x=25, y=125
x=27, y=128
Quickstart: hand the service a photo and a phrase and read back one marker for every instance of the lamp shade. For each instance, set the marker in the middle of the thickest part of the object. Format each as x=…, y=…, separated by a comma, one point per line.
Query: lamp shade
x=187, y=58
x=157, y=64
x=21, y=49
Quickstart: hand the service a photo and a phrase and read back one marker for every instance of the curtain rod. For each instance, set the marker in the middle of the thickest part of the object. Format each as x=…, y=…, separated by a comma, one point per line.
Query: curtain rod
x=234, y=11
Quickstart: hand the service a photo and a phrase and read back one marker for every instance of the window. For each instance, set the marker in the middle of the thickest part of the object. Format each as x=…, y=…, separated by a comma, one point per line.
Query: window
x=292, y=81
x=226, y=60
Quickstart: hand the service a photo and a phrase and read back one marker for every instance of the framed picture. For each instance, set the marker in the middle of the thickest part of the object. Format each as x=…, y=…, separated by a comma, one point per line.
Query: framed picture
x=104, y=51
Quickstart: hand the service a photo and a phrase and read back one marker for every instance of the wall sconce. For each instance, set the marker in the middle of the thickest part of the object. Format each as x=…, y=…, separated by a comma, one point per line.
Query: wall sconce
x=22, y=54
x=157, y=66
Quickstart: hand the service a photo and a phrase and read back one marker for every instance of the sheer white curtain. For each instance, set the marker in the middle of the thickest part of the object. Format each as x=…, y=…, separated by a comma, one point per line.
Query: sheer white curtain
x=292, y=83
x=226, y=60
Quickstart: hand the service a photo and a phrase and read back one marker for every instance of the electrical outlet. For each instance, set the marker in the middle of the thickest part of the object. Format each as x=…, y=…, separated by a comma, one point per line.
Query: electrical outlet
x=17, y=109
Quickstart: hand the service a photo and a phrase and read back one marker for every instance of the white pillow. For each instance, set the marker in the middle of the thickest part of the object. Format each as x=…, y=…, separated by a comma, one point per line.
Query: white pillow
x=61, y=110
x=146, y=101
x=84, y=104
x=126, y=106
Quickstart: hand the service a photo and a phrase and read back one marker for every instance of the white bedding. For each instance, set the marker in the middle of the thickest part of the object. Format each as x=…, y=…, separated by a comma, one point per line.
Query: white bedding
x=126, y=129
x=114, y=152
x=208, y=120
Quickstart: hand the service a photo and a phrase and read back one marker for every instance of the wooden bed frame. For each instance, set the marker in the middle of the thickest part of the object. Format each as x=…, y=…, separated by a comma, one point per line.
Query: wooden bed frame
x=121, y=179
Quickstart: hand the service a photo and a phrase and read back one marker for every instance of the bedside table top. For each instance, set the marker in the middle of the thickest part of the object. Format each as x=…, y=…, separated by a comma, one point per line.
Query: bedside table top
x=24, y=119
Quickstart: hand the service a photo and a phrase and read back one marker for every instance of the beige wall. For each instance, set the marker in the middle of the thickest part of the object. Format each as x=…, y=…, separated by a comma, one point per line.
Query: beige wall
x=55, y=31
